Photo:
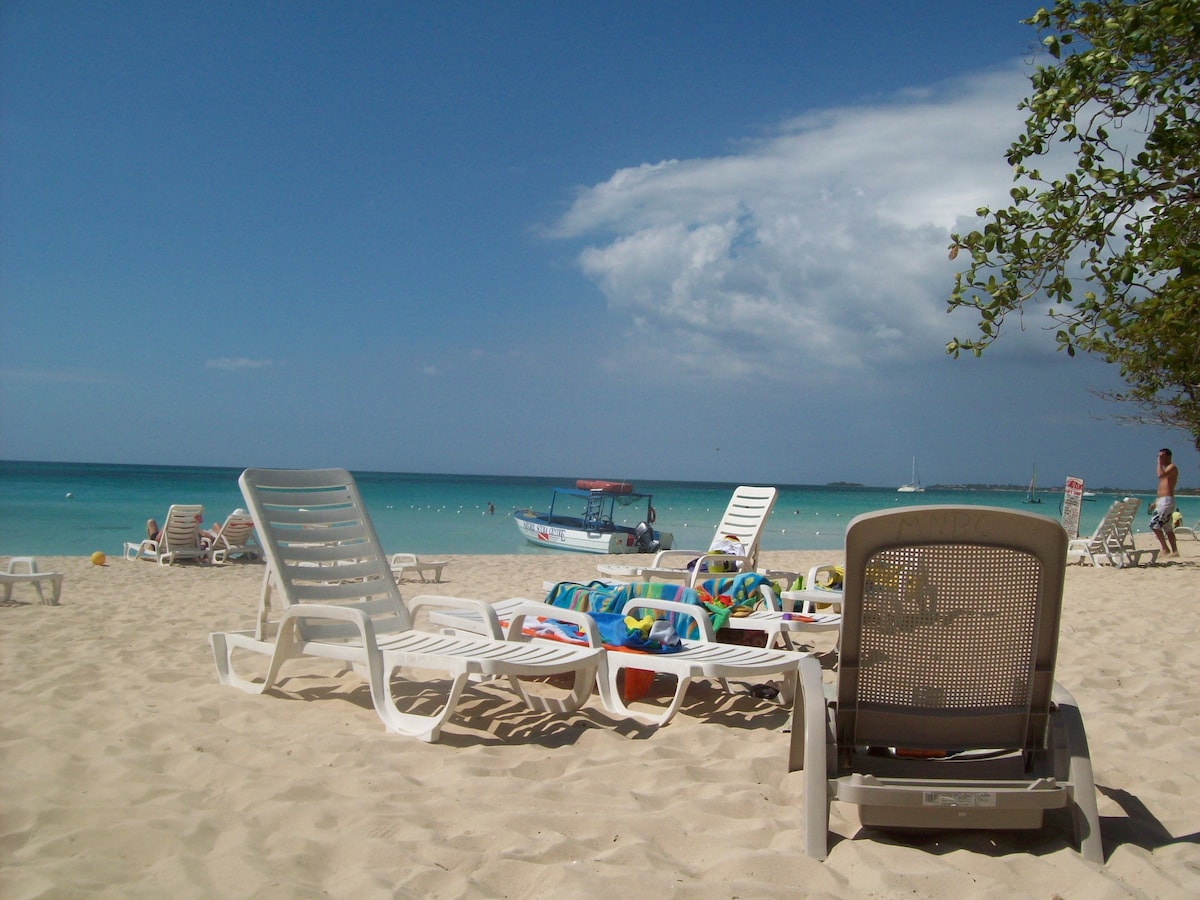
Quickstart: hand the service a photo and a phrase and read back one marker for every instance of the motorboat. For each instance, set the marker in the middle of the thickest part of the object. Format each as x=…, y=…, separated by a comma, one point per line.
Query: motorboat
x=595, y=516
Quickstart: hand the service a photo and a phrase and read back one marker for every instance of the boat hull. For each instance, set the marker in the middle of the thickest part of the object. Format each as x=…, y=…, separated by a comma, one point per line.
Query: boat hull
x=566, y=536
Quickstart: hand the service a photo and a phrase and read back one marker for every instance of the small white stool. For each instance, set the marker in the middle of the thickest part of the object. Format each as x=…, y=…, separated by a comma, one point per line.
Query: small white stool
x=31, y=575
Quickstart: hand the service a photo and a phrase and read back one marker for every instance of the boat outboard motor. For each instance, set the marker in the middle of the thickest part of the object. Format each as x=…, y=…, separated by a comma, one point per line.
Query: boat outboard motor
x=643, y=536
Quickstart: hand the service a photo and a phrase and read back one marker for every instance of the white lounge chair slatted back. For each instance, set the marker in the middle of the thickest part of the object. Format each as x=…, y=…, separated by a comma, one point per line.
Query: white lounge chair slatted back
x=1113, y=538
x=746, y=516
x=322, y=548
x=181, y=530
x=236, y=532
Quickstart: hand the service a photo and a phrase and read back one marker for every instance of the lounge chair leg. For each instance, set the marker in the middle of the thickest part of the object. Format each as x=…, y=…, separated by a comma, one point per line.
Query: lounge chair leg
x=223, y=644
x=610, y=695
x=580, y=691
x=1085, y=816
x=808, y=751
x=426, y=728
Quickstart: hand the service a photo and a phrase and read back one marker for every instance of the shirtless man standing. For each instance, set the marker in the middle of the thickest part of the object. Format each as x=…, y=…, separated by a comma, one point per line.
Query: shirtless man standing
x=1164, y=506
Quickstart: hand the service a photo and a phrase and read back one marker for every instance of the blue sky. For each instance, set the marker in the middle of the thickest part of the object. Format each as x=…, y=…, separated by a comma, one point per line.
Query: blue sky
x=660, y=240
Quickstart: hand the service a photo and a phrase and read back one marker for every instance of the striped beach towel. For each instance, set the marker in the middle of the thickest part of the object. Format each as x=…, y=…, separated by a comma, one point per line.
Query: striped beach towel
x=725, y=597
x=601, y=597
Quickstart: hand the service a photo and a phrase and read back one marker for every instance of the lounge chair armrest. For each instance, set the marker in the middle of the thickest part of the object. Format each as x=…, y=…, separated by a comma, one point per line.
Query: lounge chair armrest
x=814, y=573
x=770, y=601
x=545, y=611
x=356, y=617
x=696, y=613
x=481, y=607
x=134, y=549
x=809, y=719
x=662, y=558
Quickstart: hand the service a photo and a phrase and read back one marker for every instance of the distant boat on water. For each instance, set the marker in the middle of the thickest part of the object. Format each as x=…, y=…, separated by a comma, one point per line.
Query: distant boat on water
x=914, y=486
x=584, y=518
x=1031, y=494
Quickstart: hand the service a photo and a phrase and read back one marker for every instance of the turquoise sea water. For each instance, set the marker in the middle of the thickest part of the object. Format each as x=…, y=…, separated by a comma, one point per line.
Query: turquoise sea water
x=72, y=509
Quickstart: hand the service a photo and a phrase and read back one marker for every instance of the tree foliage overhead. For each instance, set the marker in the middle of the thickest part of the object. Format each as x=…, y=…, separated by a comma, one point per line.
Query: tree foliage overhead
x=1112, y=246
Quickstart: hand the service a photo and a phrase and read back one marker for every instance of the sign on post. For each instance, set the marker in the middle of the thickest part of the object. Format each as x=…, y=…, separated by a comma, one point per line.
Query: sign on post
x=1072, y=498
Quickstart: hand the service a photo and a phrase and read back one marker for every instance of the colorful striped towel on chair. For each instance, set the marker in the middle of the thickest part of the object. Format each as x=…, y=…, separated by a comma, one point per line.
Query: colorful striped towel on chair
x=666, y=590
x=725, y=597
x=601, y=597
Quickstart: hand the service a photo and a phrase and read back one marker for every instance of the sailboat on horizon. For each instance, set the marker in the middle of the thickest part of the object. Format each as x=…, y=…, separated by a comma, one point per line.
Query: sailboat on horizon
x=1031, y=494
x=914, y=486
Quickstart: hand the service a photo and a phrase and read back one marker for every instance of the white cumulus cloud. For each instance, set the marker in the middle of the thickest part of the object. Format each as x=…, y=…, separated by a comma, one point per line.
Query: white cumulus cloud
x=235, y=363
x=823, y=247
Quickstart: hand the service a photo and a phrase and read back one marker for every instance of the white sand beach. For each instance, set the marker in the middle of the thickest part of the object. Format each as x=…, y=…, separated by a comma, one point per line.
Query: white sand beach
x=130, y=772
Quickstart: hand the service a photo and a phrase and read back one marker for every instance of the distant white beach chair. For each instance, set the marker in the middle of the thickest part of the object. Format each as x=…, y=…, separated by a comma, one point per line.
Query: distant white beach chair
x=744, y=520
x=1188, y=529
x=179, y=538
x=234, y=538
x=1113, y=538
x=404, y=563
x=33, y=576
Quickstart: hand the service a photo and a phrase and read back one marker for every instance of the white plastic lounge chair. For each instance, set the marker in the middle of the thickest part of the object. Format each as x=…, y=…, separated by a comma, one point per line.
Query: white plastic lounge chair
x=744, y=520
x=769, y=618
x=945, y=713
x=1188, y=529
x=703, y=658
x=405, y=563
x=33, y=576
x=1113, y=538
x=779, y=624
x=822, y=589
x=179, y=538
x=1131, y=555
x=341, y=602
x=234, y=538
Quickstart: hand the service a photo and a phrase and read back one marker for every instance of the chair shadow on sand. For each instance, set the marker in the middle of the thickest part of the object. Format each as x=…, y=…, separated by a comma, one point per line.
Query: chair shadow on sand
x=485, y=715
x=494, y=716
x=1139, y=826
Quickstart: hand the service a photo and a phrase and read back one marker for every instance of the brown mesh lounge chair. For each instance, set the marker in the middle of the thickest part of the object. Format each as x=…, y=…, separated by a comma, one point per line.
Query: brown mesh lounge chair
x=945, y=713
